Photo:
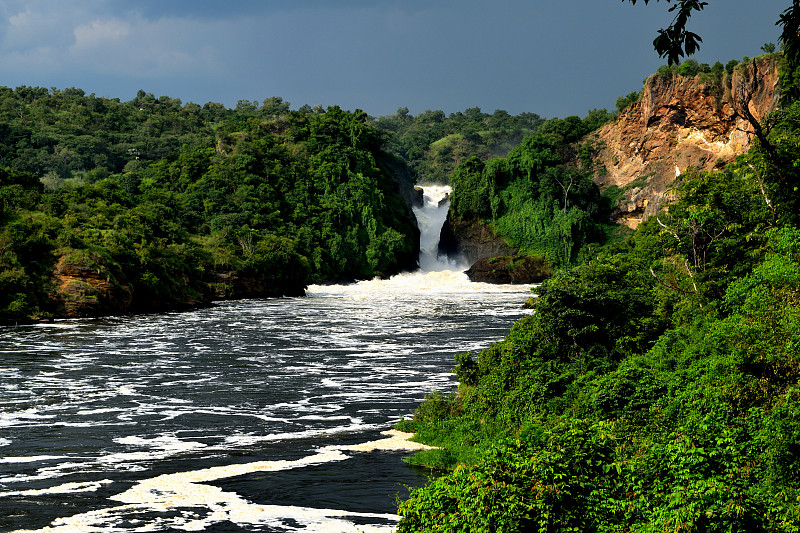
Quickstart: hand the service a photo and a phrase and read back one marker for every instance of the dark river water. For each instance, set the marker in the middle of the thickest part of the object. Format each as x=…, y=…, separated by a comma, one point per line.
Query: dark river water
x=259, y=415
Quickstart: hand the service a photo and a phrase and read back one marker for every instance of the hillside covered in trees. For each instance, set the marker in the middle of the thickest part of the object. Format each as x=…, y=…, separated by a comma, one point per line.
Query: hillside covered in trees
x=434, y=144
x=542, y=201
x=655, y=386
x=111, y=207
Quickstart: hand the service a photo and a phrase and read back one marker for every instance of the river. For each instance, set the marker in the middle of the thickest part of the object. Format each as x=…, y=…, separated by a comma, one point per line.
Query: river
x=255, y=415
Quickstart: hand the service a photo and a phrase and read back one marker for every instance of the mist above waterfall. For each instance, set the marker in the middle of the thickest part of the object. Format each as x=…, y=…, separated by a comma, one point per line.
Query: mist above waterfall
x=430, y=219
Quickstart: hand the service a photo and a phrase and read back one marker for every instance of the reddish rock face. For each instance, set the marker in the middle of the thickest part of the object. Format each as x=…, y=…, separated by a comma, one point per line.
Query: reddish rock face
x=678, y=123
x=84, y=289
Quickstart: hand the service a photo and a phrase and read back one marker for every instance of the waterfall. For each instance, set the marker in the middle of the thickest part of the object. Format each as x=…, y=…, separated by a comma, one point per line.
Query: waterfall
x=430, y=219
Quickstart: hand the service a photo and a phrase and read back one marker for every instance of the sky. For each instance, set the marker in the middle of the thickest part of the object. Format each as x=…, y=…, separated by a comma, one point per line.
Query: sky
x=551, y=57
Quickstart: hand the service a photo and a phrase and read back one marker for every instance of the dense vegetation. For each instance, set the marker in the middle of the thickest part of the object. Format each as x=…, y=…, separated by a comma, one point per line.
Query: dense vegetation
x=656, y=385
x=514, y=174
x=536, y=198
x=434, y=144
x=172, y=204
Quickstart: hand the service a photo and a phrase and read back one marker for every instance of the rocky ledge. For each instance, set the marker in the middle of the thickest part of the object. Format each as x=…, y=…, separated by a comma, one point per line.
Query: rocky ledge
x=83, y=287
x=86, y=285
x=471, y=240
x=510, y=269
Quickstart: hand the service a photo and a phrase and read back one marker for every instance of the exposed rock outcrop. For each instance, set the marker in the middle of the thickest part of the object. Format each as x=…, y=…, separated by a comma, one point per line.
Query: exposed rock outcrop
x=229, y=286
x=492, y=260
x=85, y=287
x=681, y=122
x=510, y=269
x=471, y=240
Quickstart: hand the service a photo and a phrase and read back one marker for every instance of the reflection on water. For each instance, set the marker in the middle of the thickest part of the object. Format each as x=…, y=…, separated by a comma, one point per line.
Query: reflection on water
x=233, y=418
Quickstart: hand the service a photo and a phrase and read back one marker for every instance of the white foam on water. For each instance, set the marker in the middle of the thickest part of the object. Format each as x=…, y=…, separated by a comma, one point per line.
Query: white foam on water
x=249, y=440
x=59, y=324
x=266, y=418
x=89, y=424
x=395, y=441
x=330, y=383
x=188, y=381
x=66, y=488
x=182, y=494
x=227, y=507
x=5, y=442
x=157, y=448
x=419, y=289
x=100, y=411
x=266, y=368
x=50, y=472
x=24, y=418
x=160, y=447
x=32, y=458
x=327, y=418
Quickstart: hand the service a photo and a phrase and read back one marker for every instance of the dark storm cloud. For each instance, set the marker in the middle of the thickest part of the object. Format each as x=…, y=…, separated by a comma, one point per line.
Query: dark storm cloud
x=551, y=58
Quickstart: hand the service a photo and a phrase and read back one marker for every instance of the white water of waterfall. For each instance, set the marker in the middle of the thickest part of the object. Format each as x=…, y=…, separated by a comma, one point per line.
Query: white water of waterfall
x=430, y=219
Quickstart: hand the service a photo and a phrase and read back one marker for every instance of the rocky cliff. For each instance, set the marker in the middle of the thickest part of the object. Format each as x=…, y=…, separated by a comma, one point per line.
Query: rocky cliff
x=470, y=240
x=83, y=286
x=491, y=258
x=681, y=122
x=510, y=269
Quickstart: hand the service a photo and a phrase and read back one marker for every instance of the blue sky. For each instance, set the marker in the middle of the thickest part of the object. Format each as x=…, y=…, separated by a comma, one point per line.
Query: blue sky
x=554, y=57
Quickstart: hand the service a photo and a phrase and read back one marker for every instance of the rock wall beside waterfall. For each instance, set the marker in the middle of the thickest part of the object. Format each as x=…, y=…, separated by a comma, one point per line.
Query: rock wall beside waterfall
x=472, y=239
x=490, y=257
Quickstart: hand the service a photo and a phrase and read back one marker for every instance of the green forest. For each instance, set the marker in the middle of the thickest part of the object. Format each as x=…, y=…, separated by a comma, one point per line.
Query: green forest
x=655, y=386
x=541, y=198
x=434, y=144
x=170, y=205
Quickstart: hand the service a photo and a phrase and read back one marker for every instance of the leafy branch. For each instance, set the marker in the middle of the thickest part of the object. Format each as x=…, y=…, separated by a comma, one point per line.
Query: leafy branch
x=675, y=41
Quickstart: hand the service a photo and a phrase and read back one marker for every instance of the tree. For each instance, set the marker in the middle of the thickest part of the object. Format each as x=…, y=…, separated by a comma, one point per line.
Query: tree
x=674, y=41
x=623, y=102
x=790, y=44
x=275, y=106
